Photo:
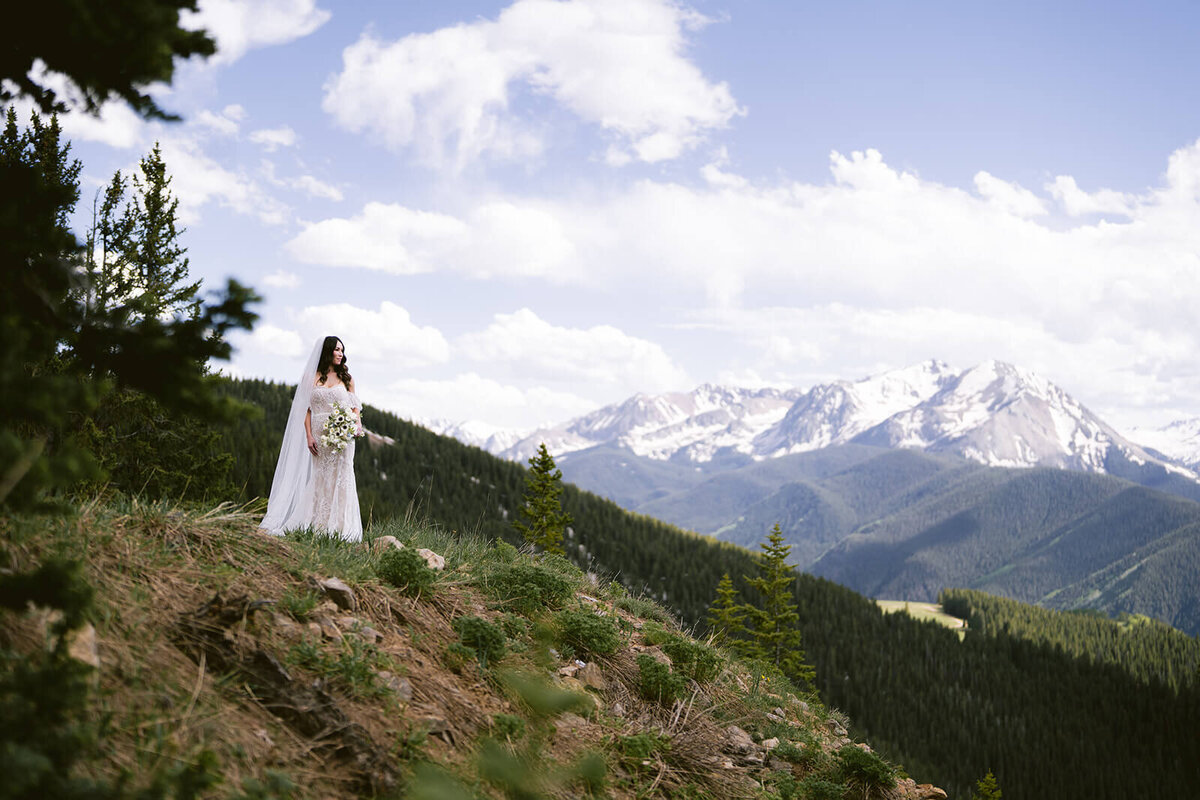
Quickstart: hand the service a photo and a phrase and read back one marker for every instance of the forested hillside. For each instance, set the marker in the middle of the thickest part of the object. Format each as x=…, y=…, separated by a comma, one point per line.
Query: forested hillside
x=902, y=523
x=1048, y=723
x=1145, y=648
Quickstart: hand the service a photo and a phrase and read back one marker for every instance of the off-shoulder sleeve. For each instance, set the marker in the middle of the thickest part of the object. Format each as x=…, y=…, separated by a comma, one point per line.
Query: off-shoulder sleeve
x=354, y=401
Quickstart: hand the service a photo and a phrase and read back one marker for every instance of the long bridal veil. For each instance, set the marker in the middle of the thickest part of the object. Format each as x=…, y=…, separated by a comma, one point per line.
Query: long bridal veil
x=294, y=467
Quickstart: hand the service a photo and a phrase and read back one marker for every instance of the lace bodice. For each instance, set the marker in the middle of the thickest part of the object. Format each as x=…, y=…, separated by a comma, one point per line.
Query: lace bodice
x=323, y=398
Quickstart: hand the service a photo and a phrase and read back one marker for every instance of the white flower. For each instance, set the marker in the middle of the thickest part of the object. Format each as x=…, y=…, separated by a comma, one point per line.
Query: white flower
x=340, y=427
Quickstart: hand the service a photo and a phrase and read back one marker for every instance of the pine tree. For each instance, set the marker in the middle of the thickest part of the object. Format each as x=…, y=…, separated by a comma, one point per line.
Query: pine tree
x=726, y=617
x=774, y=625
x=156, y=252
x=988, y=788
x=133, y=252
x=542, y=506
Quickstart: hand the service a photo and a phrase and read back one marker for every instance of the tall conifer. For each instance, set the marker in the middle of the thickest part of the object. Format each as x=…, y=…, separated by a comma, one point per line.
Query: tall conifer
x=774, y=625
x=545, y=520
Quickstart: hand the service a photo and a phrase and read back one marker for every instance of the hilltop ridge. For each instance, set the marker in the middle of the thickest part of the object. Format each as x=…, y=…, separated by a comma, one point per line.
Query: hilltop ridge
x=309, y=667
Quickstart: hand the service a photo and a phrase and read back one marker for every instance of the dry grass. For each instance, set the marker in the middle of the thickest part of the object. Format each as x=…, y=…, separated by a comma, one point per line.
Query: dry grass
x=187, y=614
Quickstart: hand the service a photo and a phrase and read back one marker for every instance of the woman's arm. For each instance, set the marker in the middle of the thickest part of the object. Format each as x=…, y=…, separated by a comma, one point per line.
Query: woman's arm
x=357, y=409
x=312, y=443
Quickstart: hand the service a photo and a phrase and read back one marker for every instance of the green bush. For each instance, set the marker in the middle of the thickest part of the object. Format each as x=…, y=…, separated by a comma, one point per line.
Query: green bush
x=699, y=662
x=589, y=633
x=641, y=746
x=508, y=727
x=529, y=588
x=458, y=655
x=657, y=682
x=814, y=788
x=644, y=608
x=865, y=769
x=299, y=603
x=591, y=770
x=407, y=571
x=484, y=638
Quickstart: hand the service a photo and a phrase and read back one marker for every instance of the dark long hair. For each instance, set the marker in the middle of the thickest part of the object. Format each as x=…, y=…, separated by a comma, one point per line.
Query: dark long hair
x=326, y=361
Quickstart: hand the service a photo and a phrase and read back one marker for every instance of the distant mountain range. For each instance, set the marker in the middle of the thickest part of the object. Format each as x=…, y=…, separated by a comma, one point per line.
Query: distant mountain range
x=994, y=413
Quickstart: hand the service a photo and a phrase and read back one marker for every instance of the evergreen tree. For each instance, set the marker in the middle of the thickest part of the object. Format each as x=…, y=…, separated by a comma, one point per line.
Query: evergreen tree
x=542, y=505
x=115, y=54
x=987, y=788
x=726, y=617
x=774, y=626
x=134, y=254
x=160, y=260
x=59, y=358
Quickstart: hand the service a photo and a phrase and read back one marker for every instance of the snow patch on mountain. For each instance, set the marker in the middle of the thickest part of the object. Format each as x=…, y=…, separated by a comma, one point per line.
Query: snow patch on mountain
x=1179, y=440
x=693, y=425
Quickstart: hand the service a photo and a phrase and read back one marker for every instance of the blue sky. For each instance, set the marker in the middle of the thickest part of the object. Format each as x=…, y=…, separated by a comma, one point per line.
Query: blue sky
x=517, y=212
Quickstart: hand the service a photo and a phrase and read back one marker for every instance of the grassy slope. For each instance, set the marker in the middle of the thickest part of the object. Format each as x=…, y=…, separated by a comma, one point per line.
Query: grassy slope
x=222, y=667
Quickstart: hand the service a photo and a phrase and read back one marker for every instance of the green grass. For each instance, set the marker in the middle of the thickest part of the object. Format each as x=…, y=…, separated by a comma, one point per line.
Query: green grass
x=926, y=611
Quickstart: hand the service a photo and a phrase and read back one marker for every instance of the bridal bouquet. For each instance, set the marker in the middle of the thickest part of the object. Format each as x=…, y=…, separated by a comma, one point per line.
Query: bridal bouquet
x=339, y=429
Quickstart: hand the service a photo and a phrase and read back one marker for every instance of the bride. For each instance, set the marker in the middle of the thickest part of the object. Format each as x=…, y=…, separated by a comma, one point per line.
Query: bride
x=314, y=483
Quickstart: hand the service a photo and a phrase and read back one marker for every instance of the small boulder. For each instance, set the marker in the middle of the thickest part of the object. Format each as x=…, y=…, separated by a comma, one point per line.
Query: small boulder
x=81, y=645
x=328, y=628
x=737, y=741
x=384, y=543
x=397, y=684
x=592, y=677
x=770, y=744
x=339, y=593
x=432, y=559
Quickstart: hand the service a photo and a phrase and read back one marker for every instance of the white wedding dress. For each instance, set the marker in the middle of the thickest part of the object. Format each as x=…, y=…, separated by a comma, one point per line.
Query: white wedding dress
x=329, y=501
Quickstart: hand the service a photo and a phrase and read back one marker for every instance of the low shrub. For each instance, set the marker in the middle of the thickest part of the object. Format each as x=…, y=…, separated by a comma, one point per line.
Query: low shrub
x=864, y=769
x=352, y=666
x=699, y=662
x=589, y=633
x=641, y=747
x=457, y=656
x=508, y=727
x=529, y=588
x=813, y=788
x=657, y=682
x=407, y=571
x=486, y=639
x=299, y=603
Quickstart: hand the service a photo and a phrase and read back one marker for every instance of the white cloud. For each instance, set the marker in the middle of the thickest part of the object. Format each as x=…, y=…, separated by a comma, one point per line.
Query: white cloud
x=472, y=396
x=223, y=124
x=385, y=237
x=387, y=336
x=456, y=94
x=314, y=187
x=306, y=184
x=1076, y=202
x=243, y=25
x=282, y=279
x=499, y=238
x=274, y=138
x=267, y=339
x=601, y=356
x=1009, y=198
x=198, y=179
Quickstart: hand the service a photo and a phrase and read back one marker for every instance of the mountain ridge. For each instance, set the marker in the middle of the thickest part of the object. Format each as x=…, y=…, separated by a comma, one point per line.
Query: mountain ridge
x=993, y=413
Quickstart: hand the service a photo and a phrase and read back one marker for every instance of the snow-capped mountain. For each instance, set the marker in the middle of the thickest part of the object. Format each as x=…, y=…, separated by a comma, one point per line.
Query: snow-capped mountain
x=480, y=434
x=835, y=413
x=1180, y=440
x=694, y=425
x=1004, y=416
x=993, y=413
